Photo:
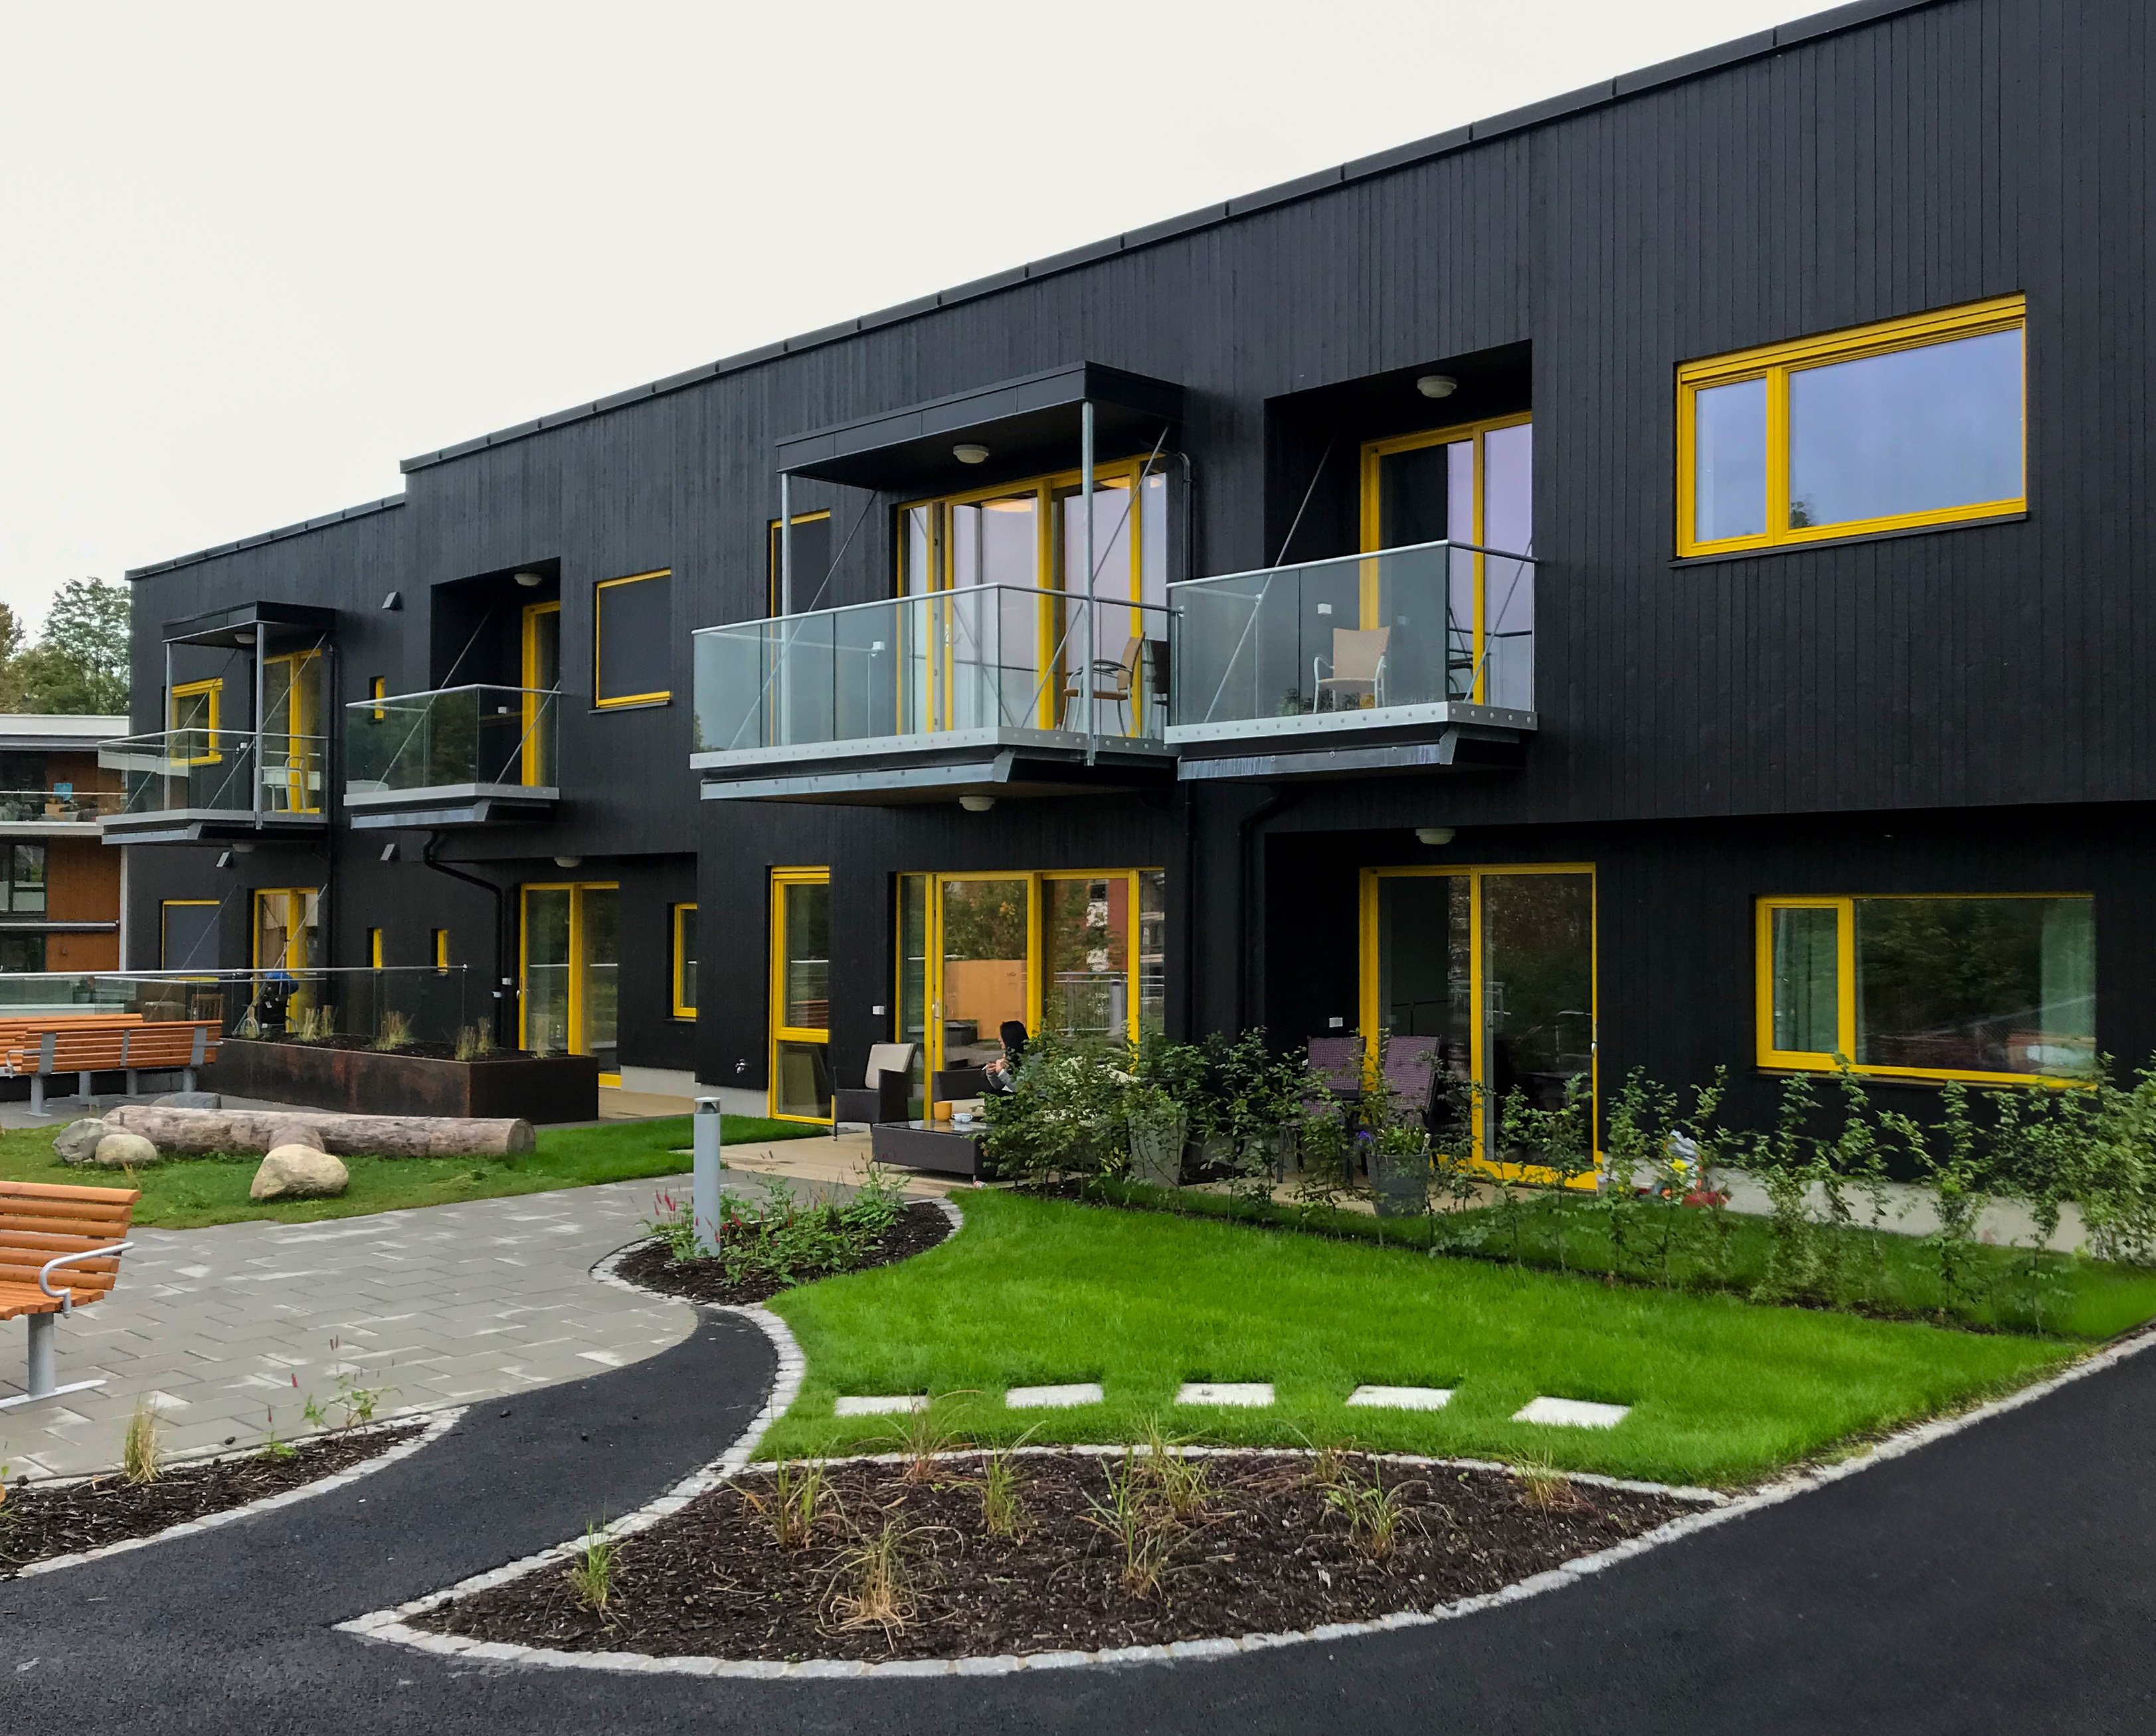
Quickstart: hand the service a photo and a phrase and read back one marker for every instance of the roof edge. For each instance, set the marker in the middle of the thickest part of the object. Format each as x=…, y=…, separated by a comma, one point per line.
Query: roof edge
x=365, y=510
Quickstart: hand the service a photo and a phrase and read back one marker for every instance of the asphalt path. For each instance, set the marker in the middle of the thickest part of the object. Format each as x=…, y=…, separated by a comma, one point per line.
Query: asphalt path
x=1998, y=1580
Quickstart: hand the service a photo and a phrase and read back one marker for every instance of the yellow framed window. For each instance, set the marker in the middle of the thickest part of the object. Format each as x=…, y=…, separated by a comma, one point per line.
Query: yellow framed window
x=568, y=1000
x=685, y=961
x=377, y=687
x=1902, y=425
x=374, y=948
x=540, y=642
x=1997, y=989
x=1496, y=967
x=811, y=561
x=632, y=638
x=292, y=744
x=1471, y=483
x=187, y=934
x=197, y=708
x=440, y=949
x=286, y=934
x=801, y=993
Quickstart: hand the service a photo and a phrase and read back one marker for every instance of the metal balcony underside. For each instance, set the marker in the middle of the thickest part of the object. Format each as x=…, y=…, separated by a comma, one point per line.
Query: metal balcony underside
x=1454, y=735
x=996, y=762
x=449, y=805
x=207, y=826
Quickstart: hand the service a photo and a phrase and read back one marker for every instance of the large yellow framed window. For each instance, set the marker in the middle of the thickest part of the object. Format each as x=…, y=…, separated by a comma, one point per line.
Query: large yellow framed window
x=685, y=961
x=1496, y=966
x=292, y=743
x=570, y=998
x=1997, y=989
x=541, y=644
x=632, y=640
x=1082, y=951
x=1904, y=425
x=1472, y=483
x=198, y=708
x=801, y=993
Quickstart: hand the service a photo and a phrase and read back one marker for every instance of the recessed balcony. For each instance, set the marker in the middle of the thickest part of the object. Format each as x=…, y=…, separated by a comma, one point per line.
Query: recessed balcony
x=191, y=786
x=456, y=755
x=977, y=692
x=58, y=812
x=1407, y=660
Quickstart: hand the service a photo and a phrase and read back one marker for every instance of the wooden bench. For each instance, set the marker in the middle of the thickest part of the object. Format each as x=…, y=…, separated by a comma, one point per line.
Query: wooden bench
x=59, y=1251
x=180, y=1046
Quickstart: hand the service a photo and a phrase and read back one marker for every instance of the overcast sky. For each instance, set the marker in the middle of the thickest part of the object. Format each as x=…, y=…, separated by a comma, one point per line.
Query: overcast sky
x=252, y=256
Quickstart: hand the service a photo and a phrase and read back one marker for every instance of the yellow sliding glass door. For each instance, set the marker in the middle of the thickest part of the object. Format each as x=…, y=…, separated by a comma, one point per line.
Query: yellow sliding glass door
x=571, y=986
x=801, y=993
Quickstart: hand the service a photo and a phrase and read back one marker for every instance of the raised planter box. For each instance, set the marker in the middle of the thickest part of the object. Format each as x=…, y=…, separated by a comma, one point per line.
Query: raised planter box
x=366, y=1081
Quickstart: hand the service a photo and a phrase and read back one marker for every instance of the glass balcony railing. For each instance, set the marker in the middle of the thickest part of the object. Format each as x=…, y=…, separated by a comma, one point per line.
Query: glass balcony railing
x=216, y=771
x=908, y=670
x=453, y=737
x=52, y=807
x=1376, y=635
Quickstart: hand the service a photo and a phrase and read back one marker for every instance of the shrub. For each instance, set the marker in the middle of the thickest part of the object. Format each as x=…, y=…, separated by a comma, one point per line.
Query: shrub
x=782, y=1240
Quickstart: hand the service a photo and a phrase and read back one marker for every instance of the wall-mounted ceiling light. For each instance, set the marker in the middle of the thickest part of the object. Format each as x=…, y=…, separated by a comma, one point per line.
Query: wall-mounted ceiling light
x=568, y=862
x=1437, y=385
x=977, y=804
x=1433, y=835
x=243, y=850
x=393, y=602
x=389, y=852
x=245, y=636
x=967, y=452
x=224, y=859
x=530, y=580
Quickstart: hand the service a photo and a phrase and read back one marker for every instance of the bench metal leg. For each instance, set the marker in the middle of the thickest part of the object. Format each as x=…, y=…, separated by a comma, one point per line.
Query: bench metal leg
x=43, y=1333
x=187, y=1078
x=82, y=1087
x=37, y=1095
x=134, y=1081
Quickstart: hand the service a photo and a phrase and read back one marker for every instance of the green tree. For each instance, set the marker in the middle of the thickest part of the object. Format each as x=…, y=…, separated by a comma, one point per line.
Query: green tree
x=79, y=664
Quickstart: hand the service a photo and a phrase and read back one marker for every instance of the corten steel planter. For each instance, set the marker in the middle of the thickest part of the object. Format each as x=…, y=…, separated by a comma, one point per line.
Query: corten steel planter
x=366, y=1081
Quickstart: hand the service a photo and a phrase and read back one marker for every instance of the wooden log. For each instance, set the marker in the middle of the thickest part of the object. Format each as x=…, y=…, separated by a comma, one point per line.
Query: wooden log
x=199, y=1132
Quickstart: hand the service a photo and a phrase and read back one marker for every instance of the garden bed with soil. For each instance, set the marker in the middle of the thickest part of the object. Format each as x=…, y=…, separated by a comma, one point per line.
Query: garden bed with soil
x=363, y=1080
x=38, y=1522
x=1089, y=1551
x=917, y=1228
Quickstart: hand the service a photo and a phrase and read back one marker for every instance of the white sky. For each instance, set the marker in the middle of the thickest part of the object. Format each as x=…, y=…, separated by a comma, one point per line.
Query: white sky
x=250, y=256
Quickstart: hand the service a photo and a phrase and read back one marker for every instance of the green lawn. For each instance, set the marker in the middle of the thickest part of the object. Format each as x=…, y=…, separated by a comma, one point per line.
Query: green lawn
x=1034, y=1292
x=189, y=1193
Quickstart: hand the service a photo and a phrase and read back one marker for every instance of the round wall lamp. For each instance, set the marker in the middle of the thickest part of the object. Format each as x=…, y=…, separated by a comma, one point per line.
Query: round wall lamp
x=967, y=452
x=1433, y=835
x=530, y=581
x=245, y=637
x=568, y=862
x=977, y=804
x=1437, y=385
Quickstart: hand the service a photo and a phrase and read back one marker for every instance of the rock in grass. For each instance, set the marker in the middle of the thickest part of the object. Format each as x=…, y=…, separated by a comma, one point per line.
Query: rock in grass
x=188, y=1099
x=299, y=1172
x=126, y=1150
x=77, y=1141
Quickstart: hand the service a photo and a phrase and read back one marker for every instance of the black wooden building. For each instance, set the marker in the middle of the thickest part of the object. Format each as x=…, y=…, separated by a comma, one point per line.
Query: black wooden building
x=1648, y=579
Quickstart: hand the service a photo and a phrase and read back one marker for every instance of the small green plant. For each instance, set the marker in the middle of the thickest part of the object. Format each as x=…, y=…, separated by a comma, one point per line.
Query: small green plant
x=873, y=1585
x=396, y=1031
x=590, y=1572
x=922, y=1438
x=781, y=1240
x=1545, y=1488
x=468, y=1042
x=1183, y=1483
x=1373, y=1512
x=1329, y=1464
x=142, y=1454
x=1002, y=1506
x=273, y=1447
x=354, y=1404
x=795, y=1502
x=1142, y=1535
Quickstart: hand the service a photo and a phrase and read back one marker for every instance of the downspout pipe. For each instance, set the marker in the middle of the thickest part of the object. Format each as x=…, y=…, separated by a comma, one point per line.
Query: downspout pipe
x=501, y=1033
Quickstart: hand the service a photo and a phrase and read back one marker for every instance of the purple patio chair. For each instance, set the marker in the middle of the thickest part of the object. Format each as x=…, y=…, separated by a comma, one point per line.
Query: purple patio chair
x=1412, y=1068
x=1338, y=1062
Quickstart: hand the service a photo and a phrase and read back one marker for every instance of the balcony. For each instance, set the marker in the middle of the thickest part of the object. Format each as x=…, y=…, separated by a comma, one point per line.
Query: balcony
x=55, y=813
x=458, y=756
x=1416, y=659
x=190, y=786
x=977, y=693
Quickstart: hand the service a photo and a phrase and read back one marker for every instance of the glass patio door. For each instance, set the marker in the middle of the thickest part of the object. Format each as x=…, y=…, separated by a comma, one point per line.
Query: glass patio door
x=542, y=674
x=1496, y=963
x=801, y=993
x=983, y=931
x=570, y=996
x=292, y=732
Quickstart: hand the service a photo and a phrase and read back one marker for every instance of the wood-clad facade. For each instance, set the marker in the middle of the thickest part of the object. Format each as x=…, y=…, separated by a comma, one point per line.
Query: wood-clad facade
x=1965, y=710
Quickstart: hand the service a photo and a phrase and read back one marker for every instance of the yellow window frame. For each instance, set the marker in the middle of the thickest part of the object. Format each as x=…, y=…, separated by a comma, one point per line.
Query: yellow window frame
x=1775, y=363
x=213, y=688
x=577, y=987
x=378, y=688
x=1366, y=1008
x=771, y=573
x=295, y=908
x=531, y=773
x=1373, y=514
x=164, y=904
x=781, y=1032
x=601, y=700
x=441, y=937
x=374, y=948
x=683, y=1007
x=1796, y=1060
x=302, y=766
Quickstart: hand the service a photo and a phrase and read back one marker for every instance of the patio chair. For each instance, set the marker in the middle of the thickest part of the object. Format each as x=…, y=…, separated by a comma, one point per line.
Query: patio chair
x=1358, y=666
x=1337, y=1063
x=1412, y=1066
x=1115, y=681
x=885, y=1092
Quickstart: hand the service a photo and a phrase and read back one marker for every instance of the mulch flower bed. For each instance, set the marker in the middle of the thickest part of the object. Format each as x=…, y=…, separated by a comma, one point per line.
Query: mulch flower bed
x=1216, y=1546
x=920, y=1227
x=37, y=1522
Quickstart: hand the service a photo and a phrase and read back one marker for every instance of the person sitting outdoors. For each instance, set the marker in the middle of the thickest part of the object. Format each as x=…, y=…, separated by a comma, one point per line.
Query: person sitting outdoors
x=1002, y=1072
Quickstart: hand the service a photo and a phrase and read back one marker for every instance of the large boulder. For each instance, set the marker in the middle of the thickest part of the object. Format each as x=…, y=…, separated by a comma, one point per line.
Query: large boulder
x=126, y=1150
x=299, y=1172
x=189, y=1100
x=77, y=1141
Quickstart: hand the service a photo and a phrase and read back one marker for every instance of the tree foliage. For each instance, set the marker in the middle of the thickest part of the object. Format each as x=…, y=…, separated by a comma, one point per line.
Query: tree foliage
x=79, y=665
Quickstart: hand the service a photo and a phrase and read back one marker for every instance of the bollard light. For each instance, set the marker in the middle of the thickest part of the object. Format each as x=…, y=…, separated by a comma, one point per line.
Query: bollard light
x=704, y=1183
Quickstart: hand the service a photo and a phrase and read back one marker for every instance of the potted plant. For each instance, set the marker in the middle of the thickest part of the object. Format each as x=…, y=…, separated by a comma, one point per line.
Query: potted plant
x=1398, y=1156
x=1154, y=1121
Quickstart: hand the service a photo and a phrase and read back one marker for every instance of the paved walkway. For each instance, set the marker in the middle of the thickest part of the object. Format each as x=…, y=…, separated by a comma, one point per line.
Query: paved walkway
x=227, y=1330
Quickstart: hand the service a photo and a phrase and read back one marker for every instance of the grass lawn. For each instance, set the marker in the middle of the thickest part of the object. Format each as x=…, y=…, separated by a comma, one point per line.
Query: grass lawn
x=1036, y=1292
x=191, y=1192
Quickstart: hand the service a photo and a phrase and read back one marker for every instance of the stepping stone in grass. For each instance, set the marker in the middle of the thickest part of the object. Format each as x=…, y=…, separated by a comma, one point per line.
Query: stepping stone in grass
x=1050, y=1398
x=1402, y=1398
x=1252, y=1394
x=884, y=1404
x=1572, y=1413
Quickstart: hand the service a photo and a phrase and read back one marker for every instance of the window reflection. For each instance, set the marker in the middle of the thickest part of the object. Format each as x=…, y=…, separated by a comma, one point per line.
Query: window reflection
x=1729, y=461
